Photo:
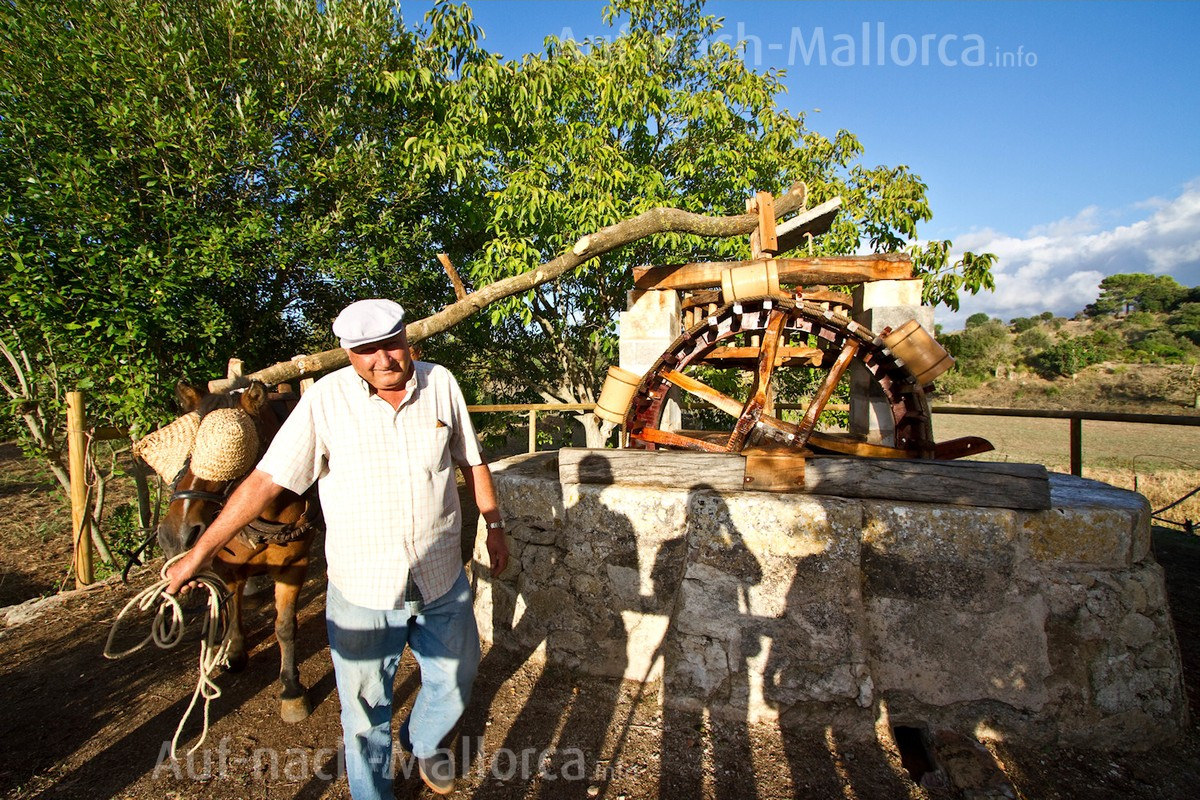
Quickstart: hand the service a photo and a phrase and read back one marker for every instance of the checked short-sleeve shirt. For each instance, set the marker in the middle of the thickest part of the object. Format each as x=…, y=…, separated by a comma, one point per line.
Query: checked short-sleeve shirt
x=386, y=478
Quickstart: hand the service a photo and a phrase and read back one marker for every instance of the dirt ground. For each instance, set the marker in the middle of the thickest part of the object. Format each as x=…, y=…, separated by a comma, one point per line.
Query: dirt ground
x=77, y=726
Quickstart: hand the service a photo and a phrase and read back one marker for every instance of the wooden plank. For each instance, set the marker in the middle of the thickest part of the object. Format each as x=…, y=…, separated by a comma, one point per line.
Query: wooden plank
x=672, y=439
x=768, y=241
x=813, y=222
x=705, y=392
x=852, y=447
x=788, y=355
x=966, y=483
x=839, y=270
x=774, y=472
x=666, y=468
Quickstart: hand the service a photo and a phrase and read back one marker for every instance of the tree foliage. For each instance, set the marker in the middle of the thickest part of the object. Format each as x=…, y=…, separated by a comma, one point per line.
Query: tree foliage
x=1138, y=291
x=183, y=182
x=662, y=114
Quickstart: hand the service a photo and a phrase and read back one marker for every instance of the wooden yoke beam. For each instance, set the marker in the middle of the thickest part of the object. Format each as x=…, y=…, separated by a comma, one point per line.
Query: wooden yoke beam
x=795, y=271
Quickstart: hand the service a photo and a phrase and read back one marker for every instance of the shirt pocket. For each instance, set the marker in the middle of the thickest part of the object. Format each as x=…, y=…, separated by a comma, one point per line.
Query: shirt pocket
x=430, y=450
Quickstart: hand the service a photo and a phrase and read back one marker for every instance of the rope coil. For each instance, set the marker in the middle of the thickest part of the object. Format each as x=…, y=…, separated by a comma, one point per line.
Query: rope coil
x=166, y=632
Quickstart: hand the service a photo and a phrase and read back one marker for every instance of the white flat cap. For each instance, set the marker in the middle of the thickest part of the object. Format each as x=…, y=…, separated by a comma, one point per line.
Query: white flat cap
x=368, y=321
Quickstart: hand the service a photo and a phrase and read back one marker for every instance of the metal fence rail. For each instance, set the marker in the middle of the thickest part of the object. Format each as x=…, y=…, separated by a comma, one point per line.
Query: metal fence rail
x=1076, y=419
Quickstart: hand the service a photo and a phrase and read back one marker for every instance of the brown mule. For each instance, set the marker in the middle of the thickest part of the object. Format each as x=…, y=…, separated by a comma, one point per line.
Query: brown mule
x=275, y=544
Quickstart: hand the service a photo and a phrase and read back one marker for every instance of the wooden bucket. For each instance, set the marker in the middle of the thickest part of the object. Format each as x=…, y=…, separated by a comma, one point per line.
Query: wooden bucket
x=616, y=394
x=751, y=280
x=923, y=357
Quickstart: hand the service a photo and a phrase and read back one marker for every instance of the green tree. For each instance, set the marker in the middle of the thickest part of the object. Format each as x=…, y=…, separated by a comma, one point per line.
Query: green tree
x=1022, y=324
x=977, y=319
x=602, y=130
x=1185, y=322
x=980, y=348
x=1032, y=340
x=1136, y=291
x=183, y=182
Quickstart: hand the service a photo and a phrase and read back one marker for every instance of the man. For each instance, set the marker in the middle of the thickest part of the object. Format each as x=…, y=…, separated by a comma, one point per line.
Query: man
x=382, y=436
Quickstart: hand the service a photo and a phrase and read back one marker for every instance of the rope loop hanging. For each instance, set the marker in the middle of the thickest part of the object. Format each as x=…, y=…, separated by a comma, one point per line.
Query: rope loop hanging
x=166, y=632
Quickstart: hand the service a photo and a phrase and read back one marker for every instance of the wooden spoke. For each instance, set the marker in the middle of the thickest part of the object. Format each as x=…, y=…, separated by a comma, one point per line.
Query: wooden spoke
x=706, y=393
x=767, y=355
x=849, y=350
x=753, y=409
x=655, y=436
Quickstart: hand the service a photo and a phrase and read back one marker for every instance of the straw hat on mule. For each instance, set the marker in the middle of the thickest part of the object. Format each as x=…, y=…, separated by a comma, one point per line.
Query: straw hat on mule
x=167, y=449
x=226, y=445
x=223, y=446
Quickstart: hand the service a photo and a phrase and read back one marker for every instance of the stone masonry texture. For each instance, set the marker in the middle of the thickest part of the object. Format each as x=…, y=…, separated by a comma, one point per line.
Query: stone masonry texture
x=1051, y=626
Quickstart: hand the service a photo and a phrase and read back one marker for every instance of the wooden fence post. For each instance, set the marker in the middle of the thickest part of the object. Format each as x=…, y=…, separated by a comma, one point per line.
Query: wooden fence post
x=532, y=431
x=76, y=452
x=1076, y=446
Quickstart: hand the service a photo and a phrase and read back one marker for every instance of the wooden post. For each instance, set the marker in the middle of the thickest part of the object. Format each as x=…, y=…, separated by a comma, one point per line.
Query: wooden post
x=1077, y=446
x=532, y=431
x=768, y=242
x=76, y=451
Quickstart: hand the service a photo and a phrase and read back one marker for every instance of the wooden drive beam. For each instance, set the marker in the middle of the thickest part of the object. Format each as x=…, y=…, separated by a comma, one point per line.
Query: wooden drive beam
x=966, y=483
x=796, y=271
x=813, y=222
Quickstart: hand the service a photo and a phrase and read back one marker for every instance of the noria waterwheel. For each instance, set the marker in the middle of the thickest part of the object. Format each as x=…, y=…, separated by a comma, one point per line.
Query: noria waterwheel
x=763, y=334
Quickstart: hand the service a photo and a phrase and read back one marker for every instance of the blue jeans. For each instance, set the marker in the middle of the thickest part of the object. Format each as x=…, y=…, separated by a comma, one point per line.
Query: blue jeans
x=367, y=645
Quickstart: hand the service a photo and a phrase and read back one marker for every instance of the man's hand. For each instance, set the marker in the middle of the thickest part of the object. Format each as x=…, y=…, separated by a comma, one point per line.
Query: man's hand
x=497, y=547
x=181, y=573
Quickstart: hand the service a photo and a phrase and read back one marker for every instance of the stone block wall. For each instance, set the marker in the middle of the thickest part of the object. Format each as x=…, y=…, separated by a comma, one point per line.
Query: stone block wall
x=1051, y=626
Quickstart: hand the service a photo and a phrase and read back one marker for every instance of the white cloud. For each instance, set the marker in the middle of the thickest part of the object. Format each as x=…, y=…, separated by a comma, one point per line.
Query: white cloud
x=1058, y=266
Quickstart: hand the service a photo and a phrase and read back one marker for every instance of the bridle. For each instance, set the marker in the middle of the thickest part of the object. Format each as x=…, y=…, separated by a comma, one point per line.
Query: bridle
x=269, y=529
x=216, y=498
x=266, y=529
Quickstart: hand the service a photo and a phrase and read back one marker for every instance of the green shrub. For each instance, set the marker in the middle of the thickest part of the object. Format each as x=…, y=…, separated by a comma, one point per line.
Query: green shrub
x=1066, y=359
x=1033, y=340
x=1022, y=324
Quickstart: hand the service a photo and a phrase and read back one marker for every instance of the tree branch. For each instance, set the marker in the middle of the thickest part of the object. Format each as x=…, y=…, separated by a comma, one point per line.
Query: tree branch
x=648, y=223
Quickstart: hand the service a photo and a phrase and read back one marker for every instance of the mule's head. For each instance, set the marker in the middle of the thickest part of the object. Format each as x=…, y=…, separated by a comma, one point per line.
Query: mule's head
x=232, y=433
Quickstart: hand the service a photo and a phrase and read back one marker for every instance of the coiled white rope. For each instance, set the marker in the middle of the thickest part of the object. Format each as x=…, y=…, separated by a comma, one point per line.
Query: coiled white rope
x=166, y=631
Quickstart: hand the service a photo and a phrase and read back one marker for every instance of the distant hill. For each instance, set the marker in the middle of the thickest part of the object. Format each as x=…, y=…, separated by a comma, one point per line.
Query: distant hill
x=1136, y=348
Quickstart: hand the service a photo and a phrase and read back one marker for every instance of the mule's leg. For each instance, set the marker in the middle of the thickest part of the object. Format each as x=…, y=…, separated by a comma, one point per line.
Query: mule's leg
x=294, y=705
x=236, y=636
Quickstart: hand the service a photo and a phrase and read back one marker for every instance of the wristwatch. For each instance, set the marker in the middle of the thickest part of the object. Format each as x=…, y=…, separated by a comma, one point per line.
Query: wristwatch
x=495, y=526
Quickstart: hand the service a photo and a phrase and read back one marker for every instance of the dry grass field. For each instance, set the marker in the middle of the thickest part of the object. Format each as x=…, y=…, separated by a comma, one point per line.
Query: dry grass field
x=1160, y=461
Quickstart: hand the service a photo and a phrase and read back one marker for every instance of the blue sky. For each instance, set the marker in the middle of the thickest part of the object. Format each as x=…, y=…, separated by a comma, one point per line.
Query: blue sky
x=1072, y=151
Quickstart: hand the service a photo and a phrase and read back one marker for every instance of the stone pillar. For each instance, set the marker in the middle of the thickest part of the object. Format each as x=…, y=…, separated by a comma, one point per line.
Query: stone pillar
x=880, y=304
x=646, y=329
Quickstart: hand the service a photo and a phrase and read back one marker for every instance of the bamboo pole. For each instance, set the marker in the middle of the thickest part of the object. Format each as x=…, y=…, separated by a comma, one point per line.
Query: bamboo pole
x=76, y=451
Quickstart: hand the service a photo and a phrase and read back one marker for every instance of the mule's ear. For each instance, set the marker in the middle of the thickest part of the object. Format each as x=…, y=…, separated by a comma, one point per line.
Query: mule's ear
x=254, y=398
x=188, y=396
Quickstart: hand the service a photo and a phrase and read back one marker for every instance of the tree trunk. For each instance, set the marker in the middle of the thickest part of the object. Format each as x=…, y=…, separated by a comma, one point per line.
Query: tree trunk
x=596, y=431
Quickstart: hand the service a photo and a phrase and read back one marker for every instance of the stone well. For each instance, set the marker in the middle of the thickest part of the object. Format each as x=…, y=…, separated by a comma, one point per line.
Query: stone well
x=1050, y=626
